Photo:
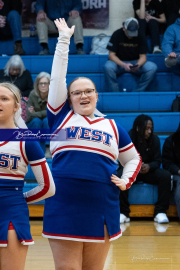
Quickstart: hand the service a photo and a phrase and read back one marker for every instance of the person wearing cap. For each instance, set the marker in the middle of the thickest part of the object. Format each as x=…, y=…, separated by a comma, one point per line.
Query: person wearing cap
x=150, y=14
x=127, y=53
x=171, y=47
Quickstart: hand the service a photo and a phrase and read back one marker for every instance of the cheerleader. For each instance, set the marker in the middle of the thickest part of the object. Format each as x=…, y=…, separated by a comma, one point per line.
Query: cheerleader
x=82, y=218
x=15, y=236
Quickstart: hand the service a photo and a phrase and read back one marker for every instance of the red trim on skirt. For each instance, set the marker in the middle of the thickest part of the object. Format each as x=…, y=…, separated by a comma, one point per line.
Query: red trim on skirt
x=11, y=227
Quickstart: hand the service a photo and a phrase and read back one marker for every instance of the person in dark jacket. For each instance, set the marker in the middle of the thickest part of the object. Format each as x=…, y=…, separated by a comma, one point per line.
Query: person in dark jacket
x=172, y=10
x=15, y=72
x=171, y=162
x=48, y=11
x=150, y=14
x=148, y=145
x=10, y=23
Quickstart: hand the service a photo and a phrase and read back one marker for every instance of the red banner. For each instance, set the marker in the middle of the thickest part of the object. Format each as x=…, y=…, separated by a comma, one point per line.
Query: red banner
x=95, y=13
x=28, y=13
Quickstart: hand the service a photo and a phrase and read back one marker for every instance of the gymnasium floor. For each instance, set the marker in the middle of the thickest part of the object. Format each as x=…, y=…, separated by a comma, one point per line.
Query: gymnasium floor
x=141, y=247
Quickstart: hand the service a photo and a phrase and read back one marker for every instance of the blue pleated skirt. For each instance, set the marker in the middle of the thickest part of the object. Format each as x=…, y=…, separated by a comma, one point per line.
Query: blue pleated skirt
x=80, y=209
x=13, y=208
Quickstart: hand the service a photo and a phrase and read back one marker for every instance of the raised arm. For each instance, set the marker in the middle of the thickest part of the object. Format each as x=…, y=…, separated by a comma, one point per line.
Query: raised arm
x=57, y=90
x=141, y=12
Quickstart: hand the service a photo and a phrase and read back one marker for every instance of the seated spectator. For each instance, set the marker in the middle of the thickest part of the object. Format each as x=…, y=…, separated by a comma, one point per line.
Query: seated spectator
x=172, y=10
x=148, y=145
x=127, y=53
x=15, y=72
x=36, y=107
x=171, y=162
x=150, y=14
x=10, y=23
x=171, y=47
x=48, y=11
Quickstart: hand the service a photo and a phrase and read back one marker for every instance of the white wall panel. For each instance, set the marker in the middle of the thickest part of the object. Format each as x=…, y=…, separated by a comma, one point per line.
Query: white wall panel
x=119, y=11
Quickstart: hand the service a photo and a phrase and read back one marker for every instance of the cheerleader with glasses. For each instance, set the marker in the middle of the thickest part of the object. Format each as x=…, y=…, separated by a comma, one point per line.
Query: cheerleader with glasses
x=82, y=218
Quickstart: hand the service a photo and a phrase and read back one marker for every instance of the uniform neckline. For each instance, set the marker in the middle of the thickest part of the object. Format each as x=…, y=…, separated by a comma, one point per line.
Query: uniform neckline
x=92, y=121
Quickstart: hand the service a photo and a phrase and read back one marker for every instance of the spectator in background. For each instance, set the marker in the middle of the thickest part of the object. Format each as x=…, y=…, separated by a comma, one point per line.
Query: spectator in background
x=48, y=11
x=127, y=53
x=150, y=14
x=36, y=107
x=15, y=72
x=171, y=162
x=171, y=47
x=10, y=23
x=172, y=10
x=148, y=145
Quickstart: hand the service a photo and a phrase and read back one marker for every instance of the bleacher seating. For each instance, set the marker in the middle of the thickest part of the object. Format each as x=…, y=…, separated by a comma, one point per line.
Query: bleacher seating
x=121, y=106
x=32, y=46
x=140, y=194
x=164, y=79
x=142, y=101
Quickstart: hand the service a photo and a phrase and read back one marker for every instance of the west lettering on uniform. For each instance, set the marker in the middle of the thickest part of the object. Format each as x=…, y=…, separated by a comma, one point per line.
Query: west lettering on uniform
x=97, y=135
x=108, y=137
x=88, y=134
x=7, y=160
x=85, y=133
x=72, y=132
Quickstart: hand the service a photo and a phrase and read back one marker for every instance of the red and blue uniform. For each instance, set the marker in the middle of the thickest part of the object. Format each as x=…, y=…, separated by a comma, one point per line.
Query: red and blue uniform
x=84, y=158
x=14, y=213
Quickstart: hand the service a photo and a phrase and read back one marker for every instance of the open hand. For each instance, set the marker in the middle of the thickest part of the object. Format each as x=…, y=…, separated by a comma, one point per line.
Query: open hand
x=144, y=168
x=118, y=182
x=148, y=17
x=31, y=109
x=127, y=66
x=134, y=69
x=62, y=26
x=172, y=55
x=74, y=14
x=2, y=21
x=41, y=16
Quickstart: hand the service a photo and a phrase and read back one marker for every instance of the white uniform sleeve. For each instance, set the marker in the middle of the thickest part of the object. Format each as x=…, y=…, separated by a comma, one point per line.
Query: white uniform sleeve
x=131, y=161
x=46, y=187
x=58, y=91
x=33, y=154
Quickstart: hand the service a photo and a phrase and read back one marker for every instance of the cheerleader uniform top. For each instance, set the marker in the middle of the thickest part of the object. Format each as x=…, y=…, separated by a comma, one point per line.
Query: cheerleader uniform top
x=14, y=159
x=88, y=148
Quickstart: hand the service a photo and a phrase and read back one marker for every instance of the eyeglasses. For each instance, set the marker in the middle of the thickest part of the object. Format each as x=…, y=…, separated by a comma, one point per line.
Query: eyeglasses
x=43, y=83
x=87, y=92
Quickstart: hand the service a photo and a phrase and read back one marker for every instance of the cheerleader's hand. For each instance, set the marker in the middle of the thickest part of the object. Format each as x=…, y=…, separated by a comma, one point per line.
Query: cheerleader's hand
x=118, y=182
x=62, y=26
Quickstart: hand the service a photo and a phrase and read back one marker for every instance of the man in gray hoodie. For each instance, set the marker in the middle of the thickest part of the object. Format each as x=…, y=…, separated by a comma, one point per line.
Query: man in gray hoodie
x=171, y=47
